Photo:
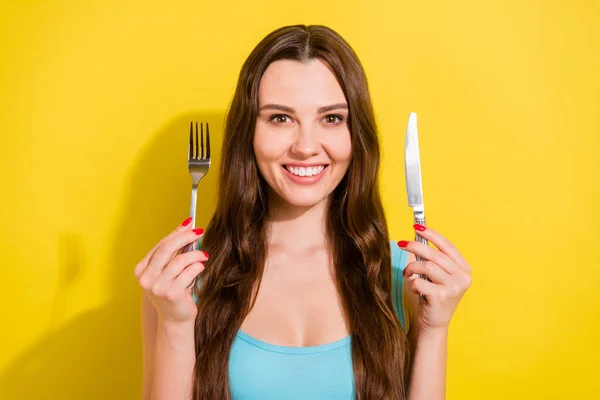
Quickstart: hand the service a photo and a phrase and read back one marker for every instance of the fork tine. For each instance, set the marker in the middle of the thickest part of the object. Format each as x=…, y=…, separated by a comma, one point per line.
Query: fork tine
x=197, y=151
x=201, y=155
x=207, y=142
x=191, y=149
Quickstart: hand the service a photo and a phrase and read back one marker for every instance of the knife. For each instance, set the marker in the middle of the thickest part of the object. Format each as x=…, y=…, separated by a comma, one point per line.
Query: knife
x=412, y=169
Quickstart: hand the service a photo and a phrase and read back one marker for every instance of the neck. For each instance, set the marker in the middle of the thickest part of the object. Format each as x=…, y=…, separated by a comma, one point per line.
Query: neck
x=300, y=227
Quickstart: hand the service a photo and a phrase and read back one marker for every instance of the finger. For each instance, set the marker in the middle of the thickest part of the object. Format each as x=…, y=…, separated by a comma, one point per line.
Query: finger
x=165, y=252
x=444, y=245
x=183, y=282
x=430, y=254
x=179, y=262
x=141, y=266
x=161, y=284
x=173, y=290
x=422, y=287
x=432, y=270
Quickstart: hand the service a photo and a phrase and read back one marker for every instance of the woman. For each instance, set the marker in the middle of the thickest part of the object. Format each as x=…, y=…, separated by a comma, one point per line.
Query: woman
x=303, y=295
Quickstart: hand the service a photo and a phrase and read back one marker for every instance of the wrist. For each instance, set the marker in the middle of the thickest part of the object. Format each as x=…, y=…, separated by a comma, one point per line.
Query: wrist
x=175, y=329
x=436, y=333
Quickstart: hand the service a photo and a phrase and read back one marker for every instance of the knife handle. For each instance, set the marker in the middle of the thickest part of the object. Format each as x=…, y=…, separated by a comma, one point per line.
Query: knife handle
x=419, y=238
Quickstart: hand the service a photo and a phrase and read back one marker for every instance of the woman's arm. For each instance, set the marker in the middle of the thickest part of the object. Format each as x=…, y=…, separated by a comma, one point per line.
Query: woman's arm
x=449, y=278
x=428, y=351
x=169, y=311
x=149, y=324
x=169, y=356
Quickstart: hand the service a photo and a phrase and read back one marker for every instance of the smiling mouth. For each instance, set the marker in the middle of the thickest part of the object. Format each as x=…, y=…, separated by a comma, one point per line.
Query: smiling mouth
x=306, y=171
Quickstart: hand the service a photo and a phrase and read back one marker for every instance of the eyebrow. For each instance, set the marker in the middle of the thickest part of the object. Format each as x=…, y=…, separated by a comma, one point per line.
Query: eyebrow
x=338, y=106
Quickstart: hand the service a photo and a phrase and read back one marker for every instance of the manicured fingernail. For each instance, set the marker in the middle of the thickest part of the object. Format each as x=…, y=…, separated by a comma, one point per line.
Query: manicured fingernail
x=405, y=272
x=186, y=221
x=198, y=231
x=205, y=254
x=403, y=243
x=419, y=227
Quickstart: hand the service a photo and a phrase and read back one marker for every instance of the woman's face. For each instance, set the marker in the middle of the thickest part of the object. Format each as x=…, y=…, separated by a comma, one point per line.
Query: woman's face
x=301, y=140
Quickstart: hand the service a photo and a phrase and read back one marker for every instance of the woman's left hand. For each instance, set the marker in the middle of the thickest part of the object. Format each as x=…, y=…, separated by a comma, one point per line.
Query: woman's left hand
x=449, y=273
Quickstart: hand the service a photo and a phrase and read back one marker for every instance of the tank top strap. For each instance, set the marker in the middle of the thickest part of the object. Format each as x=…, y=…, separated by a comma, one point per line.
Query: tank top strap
x=399, y=260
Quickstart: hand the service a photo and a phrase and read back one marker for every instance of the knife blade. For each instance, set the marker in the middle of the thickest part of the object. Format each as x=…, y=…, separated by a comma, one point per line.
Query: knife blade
x=414, y=185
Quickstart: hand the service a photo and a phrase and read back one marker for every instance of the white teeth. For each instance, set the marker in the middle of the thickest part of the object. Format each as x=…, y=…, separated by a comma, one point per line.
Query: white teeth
x=310, y=171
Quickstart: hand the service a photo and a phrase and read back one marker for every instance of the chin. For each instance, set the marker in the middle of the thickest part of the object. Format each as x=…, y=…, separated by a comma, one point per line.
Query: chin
x=309, y=200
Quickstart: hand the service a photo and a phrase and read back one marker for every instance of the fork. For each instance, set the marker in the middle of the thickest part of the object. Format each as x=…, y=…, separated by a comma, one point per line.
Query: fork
x=198, y=165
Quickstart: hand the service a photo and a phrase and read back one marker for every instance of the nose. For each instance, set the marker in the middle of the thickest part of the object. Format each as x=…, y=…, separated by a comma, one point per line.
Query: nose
x=307, y=143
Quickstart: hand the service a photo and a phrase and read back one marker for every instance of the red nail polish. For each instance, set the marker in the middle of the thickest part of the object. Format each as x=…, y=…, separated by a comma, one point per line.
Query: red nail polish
x=198, y=231
x=186, y=221
x=419, y=227
x=405, y=272
x=403, y=243
x=205, y=254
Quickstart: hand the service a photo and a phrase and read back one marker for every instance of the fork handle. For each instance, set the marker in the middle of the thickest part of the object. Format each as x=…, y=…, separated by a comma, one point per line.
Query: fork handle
x=190, y=247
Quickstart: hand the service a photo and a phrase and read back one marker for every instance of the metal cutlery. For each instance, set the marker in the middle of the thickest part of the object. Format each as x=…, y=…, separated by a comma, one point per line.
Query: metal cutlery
x=198, y=165
x=412, y=169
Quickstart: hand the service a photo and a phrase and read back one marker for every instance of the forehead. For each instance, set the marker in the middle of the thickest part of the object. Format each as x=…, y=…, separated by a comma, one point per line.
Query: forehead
x=299, y=84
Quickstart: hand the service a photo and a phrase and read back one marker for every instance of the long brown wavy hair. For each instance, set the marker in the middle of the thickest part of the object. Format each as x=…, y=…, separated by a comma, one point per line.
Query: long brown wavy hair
x=236, y=237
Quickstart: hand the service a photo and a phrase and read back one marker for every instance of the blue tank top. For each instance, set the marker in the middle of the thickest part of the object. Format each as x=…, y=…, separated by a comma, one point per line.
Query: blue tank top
x=260, y=370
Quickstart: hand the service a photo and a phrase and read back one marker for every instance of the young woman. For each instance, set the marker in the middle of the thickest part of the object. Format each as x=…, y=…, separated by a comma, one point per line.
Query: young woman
x=302, y=294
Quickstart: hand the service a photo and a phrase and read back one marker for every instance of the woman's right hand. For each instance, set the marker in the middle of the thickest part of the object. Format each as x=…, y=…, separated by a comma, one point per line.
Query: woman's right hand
x=165, y=274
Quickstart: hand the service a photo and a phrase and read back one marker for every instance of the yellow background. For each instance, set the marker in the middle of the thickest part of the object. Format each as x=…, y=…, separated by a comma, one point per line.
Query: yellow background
x=95, y=98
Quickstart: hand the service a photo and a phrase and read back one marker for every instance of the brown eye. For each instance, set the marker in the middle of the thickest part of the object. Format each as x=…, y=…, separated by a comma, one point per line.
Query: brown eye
x=333, y=119
x=279, y=119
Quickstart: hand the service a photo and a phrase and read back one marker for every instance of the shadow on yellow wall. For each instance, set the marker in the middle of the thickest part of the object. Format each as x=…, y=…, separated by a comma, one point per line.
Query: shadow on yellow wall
x=98, y=354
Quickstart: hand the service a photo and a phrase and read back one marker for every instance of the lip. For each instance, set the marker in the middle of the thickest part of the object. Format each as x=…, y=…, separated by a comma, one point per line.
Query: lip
x=304, y=180
x=298, y=165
